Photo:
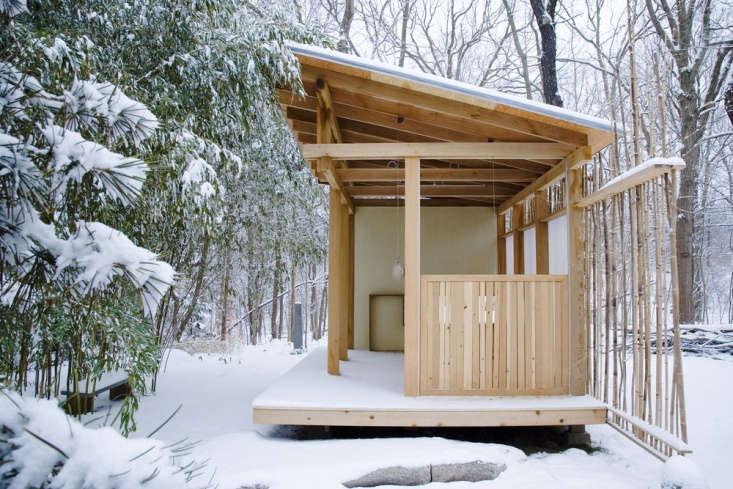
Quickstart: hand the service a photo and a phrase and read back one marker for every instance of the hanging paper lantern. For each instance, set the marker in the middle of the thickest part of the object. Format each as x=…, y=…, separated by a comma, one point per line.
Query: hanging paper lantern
x=398, y=271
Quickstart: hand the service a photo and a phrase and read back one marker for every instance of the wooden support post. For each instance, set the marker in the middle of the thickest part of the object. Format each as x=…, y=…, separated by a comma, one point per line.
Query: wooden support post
x=500, y=244
x=334, y=279
x=351, y=282
x=344, y=256
x=541, y=239
x=518, y=238
x=412, y=275
x=576, y=285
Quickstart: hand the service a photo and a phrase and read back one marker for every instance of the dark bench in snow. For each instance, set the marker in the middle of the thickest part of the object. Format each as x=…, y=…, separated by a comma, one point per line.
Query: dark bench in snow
x=83, y=402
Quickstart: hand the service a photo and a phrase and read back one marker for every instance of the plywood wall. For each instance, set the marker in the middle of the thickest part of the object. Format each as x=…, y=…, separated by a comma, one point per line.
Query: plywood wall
x=455, y=240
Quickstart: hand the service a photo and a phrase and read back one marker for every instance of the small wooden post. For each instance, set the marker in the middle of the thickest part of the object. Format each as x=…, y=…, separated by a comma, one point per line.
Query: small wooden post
x=500, y=244
x=344, y=273
x=412, y=275
x=334, y=279
x=351, y=281
x=541, y=239
x=578, y=374
x=518, y=238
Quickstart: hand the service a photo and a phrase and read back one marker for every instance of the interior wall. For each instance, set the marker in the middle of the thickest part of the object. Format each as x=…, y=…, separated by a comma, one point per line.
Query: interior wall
x=454, y=240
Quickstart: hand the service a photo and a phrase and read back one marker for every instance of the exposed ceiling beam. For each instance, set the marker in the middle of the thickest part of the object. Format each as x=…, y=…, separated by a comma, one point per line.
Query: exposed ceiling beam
x=430, y=191
x=427, y=202
x=476, y=151
x=435, y=174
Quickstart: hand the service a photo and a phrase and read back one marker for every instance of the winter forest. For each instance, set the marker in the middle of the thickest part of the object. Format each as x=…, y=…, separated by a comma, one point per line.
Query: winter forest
x=152, y=194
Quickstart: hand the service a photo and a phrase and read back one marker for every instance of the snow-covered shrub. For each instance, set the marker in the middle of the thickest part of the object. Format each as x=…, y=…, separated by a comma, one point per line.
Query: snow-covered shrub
x=41, y=447
x=66, y=278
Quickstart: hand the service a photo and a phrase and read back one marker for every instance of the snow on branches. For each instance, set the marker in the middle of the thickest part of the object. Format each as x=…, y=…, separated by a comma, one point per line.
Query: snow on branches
x=42, y=447
x=41, y=156
x=103, y=253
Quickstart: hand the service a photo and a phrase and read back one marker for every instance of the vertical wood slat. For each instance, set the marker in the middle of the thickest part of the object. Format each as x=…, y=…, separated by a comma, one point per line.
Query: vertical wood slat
x=494, y=336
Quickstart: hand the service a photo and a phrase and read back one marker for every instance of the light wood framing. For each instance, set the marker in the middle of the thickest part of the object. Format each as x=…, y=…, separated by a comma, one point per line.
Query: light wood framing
x=412, y=274
x=630, y=180
x=363, y=175
x=578, y=371
x=518, y=238
x=430, y=418
x=494, y=335
x=335, y=286
x=541, y=233
x=479, y=151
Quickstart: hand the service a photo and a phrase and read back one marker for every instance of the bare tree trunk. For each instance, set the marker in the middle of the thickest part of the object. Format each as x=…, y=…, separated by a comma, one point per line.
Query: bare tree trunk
x=688, y=36
x=314, y=303
x=520, y=49
x=545, y=17
x=197, y=289
x=403, y=33
x=344, y=43
x=729, y=101
x=275, y=292
x=225, y=294
x=291, y=319
x=280, y=318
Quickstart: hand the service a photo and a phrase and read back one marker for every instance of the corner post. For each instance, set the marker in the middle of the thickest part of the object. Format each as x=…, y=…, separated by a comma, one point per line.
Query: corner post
x=541, y=236
x=335, y=260
x=350, y=302
x=344, y=277
x=412, y=275
x=578, y=374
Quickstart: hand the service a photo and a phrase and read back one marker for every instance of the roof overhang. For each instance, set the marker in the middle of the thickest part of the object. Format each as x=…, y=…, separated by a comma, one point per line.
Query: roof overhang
x=353, y=100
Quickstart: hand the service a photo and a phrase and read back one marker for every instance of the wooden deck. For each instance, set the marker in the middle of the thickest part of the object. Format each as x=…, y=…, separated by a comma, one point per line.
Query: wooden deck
x=369, y=392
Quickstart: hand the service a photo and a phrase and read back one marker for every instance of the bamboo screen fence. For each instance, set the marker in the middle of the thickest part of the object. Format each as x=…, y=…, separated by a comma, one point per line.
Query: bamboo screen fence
x=631, y=303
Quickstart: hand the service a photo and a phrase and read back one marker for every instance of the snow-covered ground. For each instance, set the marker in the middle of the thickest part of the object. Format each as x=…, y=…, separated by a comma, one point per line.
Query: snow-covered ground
x=216, y=391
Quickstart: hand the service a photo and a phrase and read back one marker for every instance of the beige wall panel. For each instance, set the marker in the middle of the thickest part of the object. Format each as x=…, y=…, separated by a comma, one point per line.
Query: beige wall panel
x=454, y=240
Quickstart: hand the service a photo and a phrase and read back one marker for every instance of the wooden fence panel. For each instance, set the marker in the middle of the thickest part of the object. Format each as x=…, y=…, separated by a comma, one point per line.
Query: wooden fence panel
x=494, y=335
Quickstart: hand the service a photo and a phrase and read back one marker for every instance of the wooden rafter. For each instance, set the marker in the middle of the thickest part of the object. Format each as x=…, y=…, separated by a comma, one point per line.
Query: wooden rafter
x=324, y=101
x=583, y=153
x=366, y=151
x=422, y=96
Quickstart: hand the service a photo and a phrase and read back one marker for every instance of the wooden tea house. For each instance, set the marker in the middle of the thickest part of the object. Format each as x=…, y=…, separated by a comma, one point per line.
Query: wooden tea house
x=482, y=270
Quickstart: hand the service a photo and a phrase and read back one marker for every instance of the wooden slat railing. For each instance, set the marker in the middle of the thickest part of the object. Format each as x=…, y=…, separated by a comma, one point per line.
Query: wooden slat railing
x=493, y=335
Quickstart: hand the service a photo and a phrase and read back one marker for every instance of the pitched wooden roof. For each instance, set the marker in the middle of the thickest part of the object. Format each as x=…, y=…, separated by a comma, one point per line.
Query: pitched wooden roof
x=362, y=101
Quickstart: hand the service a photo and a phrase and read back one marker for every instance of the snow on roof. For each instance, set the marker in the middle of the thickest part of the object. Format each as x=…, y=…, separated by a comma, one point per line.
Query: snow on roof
x=490, y=95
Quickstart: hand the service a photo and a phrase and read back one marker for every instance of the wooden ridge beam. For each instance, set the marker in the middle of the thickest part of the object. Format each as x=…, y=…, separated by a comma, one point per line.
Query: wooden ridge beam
x=429, y=191
x=575, y=158
x=476, y=151
x=435, y=175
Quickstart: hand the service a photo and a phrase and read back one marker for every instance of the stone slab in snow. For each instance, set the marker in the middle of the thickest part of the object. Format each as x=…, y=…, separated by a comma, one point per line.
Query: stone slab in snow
x=393, y=476
x=470, y=472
